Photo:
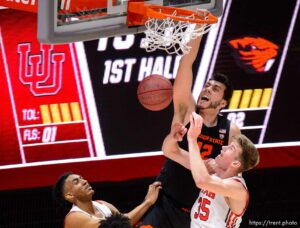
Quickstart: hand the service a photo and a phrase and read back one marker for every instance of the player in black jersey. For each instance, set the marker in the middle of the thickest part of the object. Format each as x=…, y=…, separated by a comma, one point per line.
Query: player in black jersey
x=178, y=188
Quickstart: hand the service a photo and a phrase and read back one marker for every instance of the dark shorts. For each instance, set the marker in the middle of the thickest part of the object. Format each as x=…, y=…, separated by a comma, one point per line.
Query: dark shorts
x=164, y=214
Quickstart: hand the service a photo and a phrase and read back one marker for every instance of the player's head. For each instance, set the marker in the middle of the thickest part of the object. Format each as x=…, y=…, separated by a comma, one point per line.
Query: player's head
x=115, y=221
x=72, y=187
x=249, y=156
x=240, y=155
x=222, y=78
x=216, y=93
x=58, y=189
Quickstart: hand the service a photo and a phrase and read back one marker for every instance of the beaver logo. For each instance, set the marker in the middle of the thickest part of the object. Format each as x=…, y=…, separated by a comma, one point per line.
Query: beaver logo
x=254, y=54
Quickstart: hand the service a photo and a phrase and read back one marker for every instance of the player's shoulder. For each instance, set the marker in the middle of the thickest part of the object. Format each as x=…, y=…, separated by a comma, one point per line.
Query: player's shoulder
x=234, y=130
x=111, y=207
x=75, y=218
x=223, y=121
x=239, y=182
x=238, y=178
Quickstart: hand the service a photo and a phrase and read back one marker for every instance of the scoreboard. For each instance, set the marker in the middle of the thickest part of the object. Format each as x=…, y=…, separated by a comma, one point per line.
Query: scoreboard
x=43, y=101
x=71, y=105
x=254, y=52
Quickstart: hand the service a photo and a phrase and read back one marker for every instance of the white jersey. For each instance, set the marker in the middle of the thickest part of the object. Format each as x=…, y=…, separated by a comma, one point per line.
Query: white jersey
x=211, y=210
x=98, y=205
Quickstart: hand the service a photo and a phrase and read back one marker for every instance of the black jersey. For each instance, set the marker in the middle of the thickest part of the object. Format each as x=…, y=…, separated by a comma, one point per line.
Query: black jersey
x=177, y=181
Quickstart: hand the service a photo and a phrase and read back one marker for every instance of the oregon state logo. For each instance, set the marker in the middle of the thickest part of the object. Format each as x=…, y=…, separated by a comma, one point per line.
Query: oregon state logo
x=42, y=72
x=254, y=54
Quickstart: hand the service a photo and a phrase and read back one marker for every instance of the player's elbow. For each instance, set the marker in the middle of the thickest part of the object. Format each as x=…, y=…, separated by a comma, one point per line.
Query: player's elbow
x=168, y=144
x=167, y=150
x=201, y=180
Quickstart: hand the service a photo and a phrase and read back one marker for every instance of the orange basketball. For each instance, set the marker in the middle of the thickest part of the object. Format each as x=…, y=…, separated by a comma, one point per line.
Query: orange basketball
x=155, y=92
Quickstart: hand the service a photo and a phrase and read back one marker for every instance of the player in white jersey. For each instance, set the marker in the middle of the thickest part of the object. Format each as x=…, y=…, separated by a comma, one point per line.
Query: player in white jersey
x=98, y=205
x=224, y=197
x=212, y=210
x=87, y=213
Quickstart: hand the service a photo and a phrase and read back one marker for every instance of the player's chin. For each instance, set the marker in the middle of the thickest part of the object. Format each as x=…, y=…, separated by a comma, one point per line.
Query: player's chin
x=217, y=159
x=203, y=104
x=91, y=191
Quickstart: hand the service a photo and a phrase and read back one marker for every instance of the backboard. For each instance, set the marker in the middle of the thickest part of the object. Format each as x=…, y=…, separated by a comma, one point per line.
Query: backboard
x=64, y=21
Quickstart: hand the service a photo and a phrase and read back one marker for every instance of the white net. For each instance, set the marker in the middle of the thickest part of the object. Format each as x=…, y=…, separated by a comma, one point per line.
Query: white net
x=172, y=35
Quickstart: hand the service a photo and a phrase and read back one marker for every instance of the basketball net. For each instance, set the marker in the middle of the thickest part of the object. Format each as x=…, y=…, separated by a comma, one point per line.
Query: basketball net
x=172, y=35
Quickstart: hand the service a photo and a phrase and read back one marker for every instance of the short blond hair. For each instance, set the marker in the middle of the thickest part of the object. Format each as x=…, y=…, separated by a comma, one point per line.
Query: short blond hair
x=249, y=156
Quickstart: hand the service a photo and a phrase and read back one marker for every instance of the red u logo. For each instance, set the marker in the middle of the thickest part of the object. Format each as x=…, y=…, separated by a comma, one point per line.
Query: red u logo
x=42, y=72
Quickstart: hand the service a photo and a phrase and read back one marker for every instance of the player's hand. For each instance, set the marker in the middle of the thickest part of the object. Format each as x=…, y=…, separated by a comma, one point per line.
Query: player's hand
x=196, y=122
x=203, y=13
x=153, y=192
x=210, y=165
x=178, y=130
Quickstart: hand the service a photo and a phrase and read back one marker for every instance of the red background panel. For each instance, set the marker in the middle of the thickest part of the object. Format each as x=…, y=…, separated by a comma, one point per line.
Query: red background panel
x=124, y=169
x=56, y=151
x=19, y=35
x=8, y=132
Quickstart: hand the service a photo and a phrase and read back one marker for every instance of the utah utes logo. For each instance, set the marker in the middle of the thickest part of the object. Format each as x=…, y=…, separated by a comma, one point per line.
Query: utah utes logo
x=254, y=54
x=43, y=72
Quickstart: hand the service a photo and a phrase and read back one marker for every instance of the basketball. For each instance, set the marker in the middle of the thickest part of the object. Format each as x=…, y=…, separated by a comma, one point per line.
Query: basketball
x=155, y=92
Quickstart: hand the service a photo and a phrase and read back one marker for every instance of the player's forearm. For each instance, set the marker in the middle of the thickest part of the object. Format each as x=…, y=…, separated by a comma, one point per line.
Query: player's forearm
x=136, y=214
x=194, y=44
x=170, y=146
x=182, y=87
x=172, y=151
x=199, y=171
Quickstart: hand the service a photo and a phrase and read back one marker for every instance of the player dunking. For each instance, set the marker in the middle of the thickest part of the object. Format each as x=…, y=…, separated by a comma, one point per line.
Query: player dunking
x=224, y=197
x=179, y=190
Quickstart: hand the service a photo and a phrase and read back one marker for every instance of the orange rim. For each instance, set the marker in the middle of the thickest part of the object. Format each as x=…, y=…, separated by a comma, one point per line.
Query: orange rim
x=139, y=12
x=163, y=12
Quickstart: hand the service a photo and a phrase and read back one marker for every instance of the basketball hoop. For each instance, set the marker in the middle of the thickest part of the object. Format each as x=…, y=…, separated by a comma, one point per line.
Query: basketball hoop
x=169, y=28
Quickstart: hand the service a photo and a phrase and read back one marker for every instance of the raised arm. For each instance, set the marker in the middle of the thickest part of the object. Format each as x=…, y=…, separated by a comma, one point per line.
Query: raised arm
x=183, y=100
x=171, y=148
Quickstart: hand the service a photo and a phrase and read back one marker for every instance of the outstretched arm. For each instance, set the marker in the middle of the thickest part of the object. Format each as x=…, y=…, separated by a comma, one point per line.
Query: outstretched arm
x=136, y=214
x=171, y=148
x=199, y=171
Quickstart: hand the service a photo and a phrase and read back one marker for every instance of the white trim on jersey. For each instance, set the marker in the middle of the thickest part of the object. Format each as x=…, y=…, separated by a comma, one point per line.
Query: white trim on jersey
x=98, y=205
